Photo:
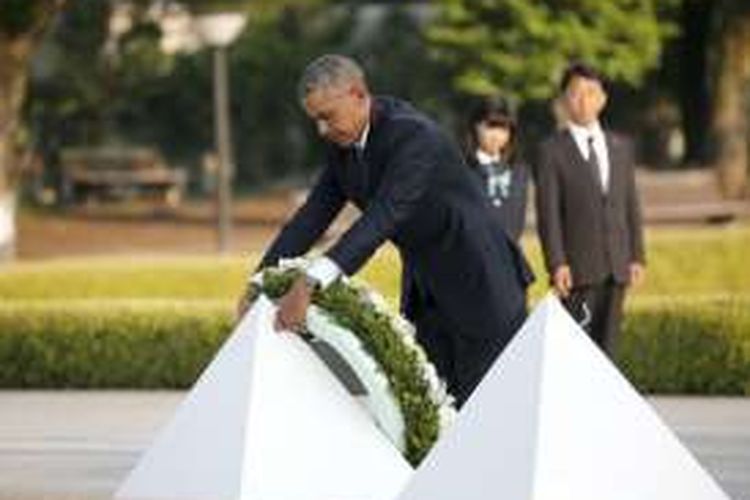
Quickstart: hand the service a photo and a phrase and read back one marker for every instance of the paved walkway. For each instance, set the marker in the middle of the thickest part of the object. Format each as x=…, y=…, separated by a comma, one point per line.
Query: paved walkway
x=80, y=445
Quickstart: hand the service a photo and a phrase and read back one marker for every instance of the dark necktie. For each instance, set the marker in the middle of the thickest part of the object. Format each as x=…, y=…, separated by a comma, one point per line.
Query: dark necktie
x=360, y=173
x=595, y=164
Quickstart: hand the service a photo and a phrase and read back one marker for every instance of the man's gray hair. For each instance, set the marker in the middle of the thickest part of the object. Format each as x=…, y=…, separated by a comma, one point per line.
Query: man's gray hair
x=326, y=71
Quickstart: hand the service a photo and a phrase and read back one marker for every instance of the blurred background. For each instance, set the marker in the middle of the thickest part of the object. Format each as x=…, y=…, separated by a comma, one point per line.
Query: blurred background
x=150, y=149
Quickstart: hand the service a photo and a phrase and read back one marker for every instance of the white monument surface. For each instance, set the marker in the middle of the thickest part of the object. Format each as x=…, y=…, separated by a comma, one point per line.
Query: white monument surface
x=268, y=421
x=555, y=420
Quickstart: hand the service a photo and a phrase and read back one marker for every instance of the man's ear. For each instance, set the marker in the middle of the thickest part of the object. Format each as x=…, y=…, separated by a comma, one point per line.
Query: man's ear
x=604, y=98
x=358, y=90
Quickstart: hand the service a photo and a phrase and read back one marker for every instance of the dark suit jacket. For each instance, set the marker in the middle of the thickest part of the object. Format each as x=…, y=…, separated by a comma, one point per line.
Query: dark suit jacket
x=512, y=212
x=597, y=235
x=415, y=190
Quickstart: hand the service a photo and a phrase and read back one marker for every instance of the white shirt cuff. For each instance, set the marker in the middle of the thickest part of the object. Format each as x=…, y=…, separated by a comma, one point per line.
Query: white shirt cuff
x=324, y=271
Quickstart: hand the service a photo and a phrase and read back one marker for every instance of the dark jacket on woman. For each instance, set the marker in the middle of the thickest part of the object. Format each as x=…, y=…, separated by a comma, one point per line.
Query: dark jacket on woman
x=506, y=186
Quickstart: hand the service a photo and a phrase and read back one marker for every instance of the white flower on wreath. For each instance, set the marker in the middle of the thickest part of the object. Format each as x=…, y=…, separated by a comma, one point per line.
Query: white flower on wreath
x=384, y=408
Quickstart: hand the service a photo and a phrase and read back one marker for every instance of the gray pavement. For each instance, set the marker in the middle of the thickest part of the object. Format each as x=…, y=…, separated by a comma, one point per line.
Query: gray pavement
x=80, y=445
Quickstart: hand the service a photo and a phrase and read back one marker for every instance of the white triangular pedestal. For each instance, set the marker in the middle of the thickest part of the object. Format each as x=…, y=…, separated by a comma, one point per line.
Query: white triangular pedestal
x=268, y=421
x=555, y=420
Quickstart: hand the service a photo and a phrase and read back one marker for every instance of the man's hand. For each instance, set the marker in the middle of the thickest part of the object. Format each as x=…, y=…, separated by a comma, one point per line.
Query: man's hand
x=562, y=280
x=293, y=306
x=636, y=274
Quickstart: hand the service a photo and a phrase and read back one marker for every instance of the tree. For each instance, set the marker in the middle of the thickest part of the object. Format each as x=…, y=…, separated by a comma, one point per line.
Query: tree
x=520, y=47
x=22, y=25
x=270, y=137
x=393, y=37
x=98, y=90
x=708, y=66
x=731, y=84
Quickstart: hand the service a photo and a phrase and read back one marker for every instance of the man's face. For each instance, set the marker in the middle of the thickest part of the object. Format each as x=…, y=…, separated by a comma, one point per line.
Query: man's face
x=340, y=112
x=584, y=100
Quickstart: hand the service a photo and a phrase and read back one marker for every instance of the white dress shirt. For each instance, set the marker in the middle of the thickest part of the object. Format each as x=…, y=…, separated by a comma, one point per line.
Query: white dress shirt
x=581, y=135
x=486, y=159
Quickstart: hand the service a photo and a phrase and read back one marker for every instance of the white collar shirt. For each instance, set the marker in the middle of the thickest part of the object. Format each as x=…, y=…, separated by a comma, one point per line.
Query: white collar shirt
x=581, y=136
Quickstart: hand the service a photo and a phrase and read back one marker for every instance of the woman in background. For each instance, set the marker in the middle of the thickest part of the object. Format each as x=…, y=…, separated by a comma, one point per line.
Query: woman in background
x=491, y=154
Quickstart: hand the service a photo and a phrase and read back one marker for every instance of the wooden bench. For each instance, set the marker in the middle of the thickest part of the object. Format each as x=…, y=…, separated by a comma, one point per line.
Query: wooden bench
x=90, y=174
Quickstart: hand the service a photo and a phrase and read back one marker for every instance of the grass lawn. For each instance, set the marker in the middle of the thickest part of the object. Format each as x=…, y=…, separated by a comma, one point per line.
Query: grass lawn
x=71, y=322
x=704, y=264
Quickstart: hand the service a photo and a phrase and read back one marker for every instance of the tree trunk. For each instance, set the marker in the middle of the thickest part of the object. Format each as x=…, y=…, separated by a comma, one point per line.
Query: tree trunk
x=694, y=89
x=14, y=59
x=732, y=105
x=16, y=49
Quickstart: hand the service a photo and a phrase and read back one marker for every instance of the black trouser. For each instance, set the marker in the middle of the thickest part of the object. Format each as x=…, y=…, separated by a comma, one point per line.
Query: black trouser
x=598, y=309
x=461, y=360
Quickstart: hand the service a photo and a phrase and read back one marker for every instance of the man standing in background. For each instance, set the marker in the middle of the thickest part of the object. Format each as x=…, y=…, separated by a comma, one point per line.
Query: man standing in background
x=589, y=218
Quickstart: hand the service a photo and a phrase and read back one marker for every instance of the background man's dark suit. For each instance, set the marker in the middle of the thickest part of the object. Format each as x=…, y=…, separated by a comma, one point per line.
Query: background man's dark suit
x=598, y=235
x=466, y=294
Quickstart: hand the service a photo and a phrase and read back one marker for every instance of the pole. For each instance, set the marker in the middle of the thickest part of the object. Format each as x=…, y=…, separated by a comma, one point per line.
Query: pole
x=223, y=145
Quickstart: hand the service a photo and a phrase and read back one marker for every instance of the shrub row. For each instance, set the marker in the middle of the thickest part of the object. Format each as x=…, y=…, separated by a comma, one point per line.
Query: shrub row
x=107, y=344
x=665, y=348
x=688, y=348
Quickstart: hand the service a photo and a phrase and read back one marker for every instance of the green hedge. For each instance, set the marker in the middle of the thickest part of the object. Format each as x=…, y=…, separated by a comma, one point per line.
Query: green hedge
x=687, y=348
x=108, y=344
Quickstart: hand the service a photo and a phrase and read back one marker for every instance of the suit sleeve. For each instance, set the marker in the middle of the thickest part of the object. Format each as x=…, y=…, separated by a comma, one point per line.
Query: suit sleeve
x=407, y=176
x=633, y=207
x=309, y=222
x=549, y=210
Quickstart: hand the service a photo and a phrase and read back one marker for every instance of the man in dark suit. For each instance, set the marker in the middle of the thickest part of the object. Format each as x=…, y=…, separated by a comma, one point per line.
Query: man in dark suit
x=588, y=212
x=467, y=279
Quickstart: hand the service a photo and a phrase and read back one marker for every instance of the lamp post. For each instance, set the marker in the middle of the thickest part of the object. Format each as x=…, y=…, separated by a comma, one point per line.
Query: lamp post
x=219, y=30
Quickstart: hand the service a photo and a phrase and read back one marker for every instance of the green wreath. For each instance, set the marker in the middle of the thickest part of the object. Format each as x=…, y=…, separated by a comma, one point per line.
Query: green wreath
x=411, y=378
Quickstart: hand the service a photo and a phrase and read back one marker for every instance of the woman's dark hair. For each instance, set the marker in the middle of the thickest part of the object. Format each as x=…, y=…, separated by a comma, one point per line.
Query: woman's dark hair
x=492, y=111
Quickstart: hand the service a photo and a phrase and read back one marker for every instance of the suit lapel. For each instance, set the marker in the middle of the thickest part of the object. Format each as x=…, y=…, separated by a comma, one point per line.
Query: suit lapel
x=360, y=175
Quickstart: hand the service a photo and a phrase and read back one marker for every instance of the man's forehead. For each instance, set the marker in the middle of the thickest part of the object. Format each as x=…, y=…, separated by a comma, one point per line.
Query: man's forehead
x=322, y=97
x=585, y=82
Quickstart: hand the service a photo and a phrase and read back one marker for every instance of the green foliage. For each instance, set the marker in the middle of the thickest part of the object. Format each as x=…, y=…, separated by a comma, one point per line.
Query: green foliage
x=520, y=47
x=133, y=93
x=398, y=39
x=379, y=339
x=19, y=17
x=273, y=137
x=687, y=330
x=70, y=97
x=208, y=6
x=106, y=344
x=682, y=348
x=668, y=348
x=252, y=7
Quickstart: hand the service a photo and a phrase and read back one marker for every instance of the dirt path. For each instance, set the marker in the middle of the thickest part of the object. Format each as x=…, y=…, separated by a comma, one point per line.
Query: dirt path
x=147, y=229
x=669, y=198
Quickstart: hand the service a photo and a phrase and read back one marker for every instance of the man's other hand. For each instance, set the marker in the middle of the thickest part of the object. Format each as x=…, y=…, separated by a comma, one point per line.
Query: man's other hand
x=293, y=306
x=562, y=280
x=637, y=273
